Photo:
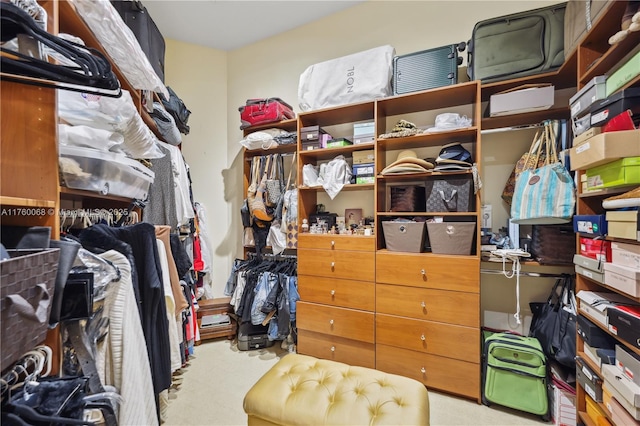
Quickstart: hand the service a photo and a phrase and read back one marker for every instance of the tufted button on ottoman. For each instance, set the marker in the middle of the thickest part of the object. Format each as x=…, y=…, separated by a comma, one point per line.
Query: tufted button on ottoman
x=303, y=390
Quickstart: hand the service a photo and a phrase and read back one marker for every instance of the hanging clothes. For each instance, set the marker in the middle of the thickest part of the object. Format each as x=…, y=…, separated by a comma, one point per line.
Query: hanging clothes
x=140, y=242
x=121, y=354
x=163, y=233
x=182, y=187
x=176, y=361
x=160, y=208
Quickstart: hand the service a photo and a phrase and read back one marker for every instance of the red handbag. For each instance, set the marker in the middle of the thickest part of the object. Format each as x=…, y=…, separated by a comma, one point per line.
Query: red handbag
x=263, y=111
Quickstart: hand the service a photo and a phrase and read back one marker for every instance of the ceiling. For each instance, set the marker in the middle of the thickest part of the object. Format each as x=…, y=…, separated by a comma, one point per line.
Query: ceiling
x=231, y=24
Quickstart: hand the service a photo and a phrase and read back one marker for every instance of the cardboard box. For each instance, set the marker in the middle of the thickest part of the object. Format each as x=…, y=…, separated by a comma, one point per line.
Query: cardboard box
x=589, y=380
x=624, y=322
x=605, y=109
x=591, y=92
x=363, y=157
x=622, y=172
x=622, y=278
x=622, y=389
x=403, y=236
x=594, y=411
x=364, y=173
x=595, y=249
x=625, y=254
x=524, y=100
x=618, y=413
x=629, y=70
x=563, y=406
x=364, y=132
x=592, y=224
x=589, y=273
x=339, y=142
x=623, y=224
x=605, y=148
x=593, y=335
x=365, y=179
x=451, y=237
x=597, y=303
x=628, y=363
x=588, y=134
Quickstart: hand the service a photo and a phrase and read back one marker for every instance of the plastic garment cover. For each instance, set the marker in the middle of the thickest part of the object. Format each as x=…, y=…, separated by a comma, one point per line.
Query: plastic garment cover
x=113, y=114
x=120, y=43
x=104, y=272
x=336, y=174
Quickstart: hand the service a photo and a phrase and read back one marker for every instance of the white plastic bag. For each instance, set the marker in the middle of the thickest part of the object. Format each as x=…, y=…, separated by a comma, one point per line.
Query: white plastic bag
x=353, y=78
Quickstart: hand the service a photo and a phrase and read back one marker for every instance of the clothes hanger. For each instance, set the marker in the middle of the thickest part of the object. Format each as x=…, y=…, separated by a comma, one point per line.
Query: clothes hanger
x=92, y=72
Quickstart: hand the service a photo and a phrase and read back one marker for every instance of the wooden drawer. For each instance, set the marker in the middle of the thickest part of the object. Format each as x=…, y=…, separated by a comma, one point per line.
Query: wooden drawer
x=337, y=292
x=352, y=352
x=449, y=375
x=351, y=265
x=334, y=321
x=451, y=307
x=337, y=242
x=451, y=341
x=457, y=273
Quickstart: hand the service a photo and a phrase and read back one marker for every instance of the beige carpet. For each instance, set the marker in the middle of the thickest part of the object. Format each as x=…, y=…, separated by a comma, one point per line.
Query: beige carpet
x=219, y=375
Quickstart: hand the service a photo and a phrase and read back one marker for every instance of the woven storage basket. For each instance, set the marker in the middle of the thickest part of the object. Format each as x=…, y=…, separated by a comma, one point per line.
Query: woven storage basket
x=25, y=276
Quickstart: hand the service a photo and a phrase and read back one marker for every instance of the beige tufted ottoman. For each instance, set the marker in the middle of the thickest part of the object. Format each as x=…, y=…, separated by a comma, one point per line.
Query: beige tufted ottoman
x=302, y=390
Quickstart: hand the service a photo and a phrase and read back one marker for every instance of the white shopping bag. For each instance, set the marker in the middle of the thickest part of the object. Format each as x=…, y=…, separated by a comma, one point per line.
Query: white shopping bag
x=359, y=77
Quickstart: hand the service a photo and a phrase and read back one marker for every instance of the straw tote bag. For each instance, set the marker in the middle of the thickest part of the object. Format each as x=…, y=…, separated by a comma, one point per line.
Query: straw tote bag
x=546, y=194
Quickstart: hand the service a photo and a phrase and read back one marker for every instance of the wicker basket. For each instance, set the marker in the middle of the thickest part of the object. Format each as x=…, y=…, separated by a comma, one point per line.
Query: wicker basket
x=24, y=277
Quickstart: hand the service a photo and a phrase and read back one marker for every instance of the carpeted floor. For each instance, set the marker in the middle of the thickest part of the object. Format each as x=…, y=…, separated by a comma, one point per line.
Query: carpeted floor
x=217, y=377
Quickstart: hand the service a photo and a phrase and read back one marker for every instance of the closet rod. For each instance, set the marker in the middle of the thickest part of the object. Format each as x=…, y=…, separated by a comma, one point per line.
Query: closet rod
x=274, y=256
x=527, y=274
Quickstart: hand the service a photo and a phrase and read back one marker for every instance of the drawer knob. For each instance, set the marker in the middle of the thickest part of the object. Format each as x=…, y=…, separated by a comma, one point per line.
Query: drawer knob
x=333, y=243
x=333, y=348
x=423, y=272
x=423, y=370
x=333, y=292
x=423, y=338
x=333, y=265
x=423, y=305
x=331, y=322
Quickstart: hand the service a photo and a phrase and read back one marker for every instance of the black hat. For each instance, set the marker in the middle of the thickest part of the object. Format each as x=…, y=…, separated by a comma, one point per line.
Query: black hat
x=454, y=153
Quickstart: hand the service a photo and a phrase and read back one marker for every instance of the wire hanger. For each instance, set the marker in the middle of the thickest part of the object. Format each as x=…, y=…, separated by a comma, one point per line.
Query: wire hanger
x=91, y=72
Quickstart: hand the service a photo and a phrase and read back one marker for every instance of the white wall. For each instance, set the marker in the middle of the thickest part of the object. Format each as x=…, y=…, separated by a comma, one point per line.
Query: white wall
x=272, y=68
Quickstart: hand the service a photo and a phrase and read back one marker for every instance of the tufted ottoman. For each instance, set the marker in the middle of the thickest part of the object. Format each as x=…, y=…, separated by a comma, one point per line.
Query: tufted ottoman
x=302, y=390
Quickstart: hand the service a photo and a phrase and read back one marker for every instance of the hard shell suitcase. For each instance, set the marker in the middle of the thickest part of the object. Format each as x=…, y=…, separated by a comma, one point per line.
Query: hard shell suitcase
x=514, y=373
x=517, y=45
x=263, y=111
x=137, y=18
x=427, y=69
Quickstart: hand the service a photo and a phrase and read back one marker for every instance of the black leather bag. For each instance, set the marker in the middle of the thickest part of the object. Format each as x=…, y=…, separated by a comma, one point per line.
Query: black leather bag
x=137, y=18
x=178, y=110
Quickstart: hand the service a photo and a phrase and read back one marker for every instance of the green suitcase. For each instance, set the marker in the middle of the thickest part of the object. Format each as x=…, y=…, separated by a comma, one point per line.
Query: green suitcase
x=514, y=373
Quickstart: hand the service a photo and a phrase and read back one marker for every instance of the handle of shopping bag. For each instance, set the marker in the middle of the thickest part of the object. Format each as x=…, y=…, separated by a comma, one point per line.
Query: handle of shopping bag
x=27, y=311
x=453, y=194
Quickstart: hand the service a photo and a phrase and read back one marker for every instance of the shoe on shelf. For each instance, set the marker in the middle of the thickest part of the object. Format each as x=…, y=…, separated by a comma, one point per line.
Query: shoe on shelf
x=627, y=199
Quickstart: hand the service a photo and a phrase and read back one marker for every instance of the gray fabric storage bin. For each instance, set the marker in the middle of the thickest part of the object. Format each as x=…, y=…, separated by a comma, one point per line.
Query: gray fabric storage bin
x=403, y=236
x=451, y=237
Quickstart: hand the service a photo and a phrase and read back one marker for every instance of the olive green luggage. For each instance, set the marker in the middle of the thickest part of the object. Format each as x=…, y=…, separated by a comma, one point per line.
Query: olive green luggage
x=514, y=373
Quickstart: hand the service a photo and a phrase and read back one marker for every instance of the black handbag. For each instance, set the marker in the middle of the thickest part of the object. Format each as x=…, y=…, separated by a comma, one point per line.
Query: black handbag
x=177, y=109
x=554, y=323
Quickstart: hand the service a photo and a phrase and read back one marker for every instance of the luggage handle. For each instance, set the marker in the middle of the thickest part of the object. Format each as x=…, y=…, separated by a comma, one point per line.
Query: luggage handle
x=263, y=101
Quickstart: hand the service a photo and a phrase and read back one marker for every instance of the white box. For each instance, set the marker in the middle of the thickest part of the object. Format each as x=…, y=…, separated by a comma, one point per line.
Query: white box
x=625, y=254
x=564, y=407
x=628, y=364
x=524, y=100
x=595, y=304
x=622, y=278
x=622, y=389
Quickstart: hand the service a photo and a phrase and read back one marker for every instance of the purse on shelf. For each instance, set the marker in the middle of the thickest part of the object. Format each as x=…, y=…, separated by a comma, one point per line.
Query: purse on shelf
x=526, y=161
x=275, y=183
x=546, y=194
x=449, y=195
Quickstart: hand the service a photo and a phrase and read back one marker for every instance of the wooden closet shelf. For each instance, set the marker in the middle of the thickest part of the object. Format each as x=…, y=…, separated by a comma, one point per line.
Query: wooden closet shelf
x=25, y=202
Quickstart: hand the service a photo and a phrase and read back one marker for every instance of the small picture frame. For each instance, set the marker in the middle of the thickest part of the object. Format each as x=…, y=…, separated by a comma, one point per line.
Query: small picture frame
x=352, y=216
